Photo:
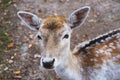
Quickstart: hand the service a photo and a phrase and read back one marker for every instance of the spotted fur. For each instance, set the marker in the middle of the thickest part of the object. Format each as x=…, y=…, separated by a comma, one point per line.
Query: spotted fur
x=97, y=59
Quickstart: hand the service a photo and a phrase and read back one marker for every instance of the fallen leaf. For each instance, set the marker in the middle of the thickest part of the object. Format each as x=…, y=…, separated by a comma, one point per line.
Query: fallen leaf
x=30, y=45
x=85, y=35
x=6, y=68
x=16, y=56
x=92, y=21
x=37, y=56
x=116, y=19
x=17, y=72
x=11, y=45
x=1, y=65
x=7, y=34
x=17, y=77
x=12, y=57
x=10, y=61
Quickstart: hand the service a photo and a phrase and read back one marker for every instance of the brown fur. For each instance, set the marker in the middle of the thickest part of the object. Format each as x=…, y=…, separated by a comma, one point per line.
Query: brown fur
x=90, y=57
x=54, y=23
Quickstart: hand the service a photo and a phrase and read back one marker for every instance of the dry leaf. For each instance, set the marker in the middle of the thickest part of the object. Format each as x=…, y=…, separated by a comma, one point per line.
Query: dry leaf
x=17, y=72
x=6, y=68
x=11, y=45
x=17, y=77
x=116, y=19
x=92, y=21
x=84, y=35
x=10, y=61
x=30, y=45
x=16, y=56
x=37, y=56
x=12, y=57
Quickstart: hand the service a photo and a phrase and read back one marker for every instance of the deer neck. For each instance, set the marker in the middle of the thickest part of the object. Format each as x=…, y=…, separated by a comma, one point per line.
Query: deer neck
x=69, y=70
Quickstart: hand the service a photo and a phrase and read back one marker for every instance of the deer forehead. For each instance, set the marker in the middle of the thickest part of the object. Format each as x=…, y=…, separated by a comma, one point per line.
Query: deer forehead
x=54, y=23
x=55, y=26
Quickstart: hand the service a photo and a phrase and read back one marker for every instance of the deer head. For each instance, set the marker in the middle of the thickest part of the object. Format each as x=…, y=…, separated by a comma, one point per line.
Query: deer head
x=54, y=34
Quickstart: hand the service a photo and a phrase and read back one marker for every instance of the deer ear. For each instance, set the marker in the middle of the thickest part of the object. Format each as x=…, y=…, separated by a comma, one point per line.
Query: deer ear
x=78, y=17
x=29, y=19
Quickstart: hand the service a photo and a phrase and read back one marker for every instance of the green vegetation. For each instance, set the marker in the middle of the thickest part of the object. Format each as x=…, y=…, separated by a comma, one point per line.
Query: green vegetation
x=51, y=79
x=5, y=3
x=4, y=40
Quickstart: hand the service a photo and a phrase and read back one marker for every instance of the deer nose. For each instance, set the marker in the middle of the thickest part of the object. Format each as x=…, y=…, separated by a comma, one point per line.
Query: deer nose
x=48, y=63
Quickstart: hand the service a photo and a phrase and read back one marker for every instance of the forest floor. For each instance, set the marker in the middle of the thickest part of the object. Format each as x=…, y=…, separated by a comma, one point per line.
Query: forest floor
x=19, y=57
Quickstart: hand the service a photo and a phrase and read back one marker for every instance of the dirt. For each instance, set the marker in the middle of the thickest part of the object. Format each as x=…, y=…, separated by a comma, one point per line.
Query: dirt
x=20, y=61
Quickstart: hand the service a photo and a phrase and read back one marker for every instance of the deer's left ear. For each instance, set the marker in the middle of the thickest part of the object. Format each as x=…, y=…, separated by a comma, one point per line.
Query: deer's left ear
x=29, y=19
x=78, y=17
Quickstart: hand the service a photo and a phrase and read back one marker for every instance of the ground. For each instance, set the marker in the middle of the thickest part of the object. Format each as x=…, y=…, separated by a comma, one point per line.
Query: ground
x=19, y=55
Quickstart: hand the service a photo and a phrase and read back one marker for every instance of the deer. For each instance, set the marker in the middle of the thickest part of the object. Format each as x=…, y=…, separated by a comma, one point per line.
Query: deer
x=95, y=59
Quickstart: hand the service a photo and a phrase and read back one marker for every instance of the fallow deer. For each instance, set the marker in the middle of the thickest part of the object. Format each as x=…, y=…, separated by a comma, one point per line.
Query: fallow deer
x=97, y=59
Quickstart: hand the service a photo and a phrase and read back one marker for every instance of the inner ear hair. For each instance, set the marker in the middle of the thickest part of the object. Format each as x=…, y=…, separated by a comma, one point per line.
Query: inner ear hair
x=29, y=19
x=78, y=17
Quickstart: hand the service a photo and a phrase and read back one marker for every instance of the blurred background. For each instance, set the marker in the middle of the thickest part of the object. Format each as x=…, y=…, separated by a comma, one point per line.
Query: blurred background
x=19, y=53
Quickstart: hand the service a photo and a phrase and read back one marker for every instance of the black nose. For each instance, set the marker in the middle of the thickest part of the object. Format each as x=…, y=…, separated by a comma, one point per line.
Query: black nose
x=48, y=64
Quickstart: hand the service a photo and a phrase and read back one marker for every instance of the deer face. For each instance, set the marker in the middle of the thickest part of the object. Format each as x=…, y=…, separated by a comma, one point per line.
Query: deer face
x=54, y=34
x=55, y=40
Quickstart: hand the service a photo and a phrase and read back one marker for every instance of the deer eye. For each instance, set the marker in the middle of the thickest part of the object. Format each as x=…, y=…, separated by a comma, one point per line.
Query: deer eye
x=66, y=36
x=39, y=37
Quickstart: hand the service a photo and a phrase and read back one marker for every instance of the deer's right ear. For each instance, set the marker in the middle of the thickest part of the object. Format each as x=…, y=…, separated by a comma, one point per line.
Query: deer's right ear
x=78, y=17
x=29, y=19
